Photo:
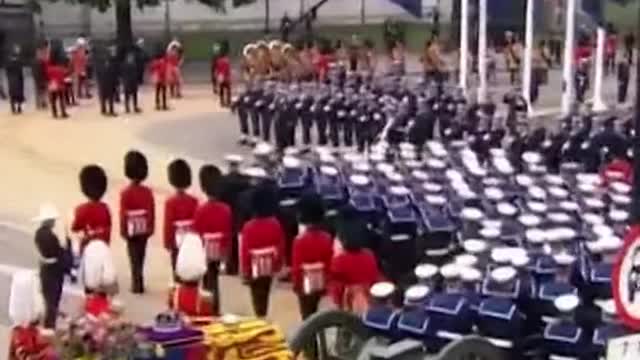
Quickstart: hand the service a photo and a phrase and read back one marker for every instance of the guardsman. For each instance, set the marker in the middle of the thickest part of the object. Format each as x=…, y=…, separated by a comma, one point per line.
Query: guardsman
x=223, y=78
x=158, y=68
x=179, y=209
x=15, y=80
x=262, y=248
x=130, y=81
x=92, y=219
x=311, y=255
x=213, y=221
x=233, y=183
x=355, y=269
x=564, y=338
x=53, y=262
x=108, y=74
x=186, y=295
x=175, y=59
x=55, y=74
x=548, y=292
x=623, y=81
x=137, y=216
x=100, y=280
x=27, y=340
x=381, y=316
x=80, y=63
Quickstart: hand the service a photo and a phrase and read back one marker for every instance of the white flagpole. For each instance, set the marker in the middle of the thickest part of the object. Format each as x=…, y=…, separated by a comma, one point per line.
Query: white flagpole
x=464, y=45
x=528, y=56
x=567, y=71
x=482, y=51
x=598, y=102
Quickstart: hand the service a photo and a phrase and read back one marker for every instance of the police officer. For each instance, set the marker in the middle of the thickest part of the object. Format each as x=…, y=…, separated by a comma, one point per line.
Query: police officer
x=131, y=80
x=107, y=71
x=15, y=79
x=54, y=262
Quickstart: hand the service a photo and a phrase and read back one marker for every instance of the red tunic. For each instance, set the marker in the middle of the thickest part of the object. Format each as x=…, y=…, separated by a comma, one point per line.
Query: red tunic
x=223, y=69
x=97, y=305
x=93, y=220
x=352, y=269
x=79, y=62
x=55, y=77
x=617, y=166
x=582, y=53
x=321, y=64
x=188, y=300
x=213, y=221
x=181, y=207
x=26, y=343
x=158, y=69
x=137, y=211
x=258, y=237
x=311, y=248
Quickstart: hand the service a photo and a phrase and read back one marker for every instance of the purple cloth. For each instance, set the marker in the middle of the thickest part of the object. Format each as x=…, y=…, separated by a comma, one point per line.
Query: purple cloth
x=177, y=337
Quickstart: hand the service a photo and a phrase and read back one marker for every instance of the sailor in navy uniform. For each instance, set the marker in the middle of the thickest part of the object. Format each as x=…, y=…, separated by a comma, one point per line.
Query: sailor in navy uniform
x=479, y=249
x=520, y=261
x=598, y=284
x=449, y=312
x=382, y=317
x=471, y=278
x=610, y=328
x=413, y=321
x=564, y=338
x=548, y=292
x=427, y=275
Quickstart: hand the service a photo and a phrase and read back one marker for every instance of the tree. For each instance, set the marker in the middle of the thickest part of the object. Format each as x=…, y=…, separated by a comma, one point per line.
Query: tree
x=124, y=32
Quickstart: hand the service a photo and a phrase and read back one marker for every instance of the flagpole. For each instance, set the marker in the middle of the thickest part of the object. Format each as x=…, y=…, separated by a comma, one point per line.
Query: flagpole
x=464, y=45
x=528, y=56
x=598, y=102
x=482, y=51
x=567, y=71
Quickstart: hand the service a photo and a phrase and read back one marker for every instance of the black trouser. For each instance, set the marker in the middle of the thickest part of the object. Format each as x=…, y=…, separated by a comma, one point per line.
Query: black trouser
x=233, y=259
x=131, y=96
x=266, y=116
x=41, y=96
x=83, y=87
x=243, y=118
x=161, y=97
x=255, y=123
x=307, y=123
x=137, y=251
x=211, y=283
x=69, y=95
x=51, y=281
x=334, y=132
x=623, y=89
x=225, y=93
x=260, y=292
x=174, y=257
x=16, y=106
x=347, y=132
x=107, y=99
x=609, y=64
x=56, y=98
x=321, y=125
x=309, y=304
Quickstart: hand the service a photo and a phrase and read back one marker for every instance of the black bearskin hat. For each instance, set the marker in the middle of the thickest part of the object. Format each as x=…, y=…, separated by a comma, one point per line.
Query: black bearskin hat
x=136, y=167
x=210, y=176
x=93, y=182
x=179, y=174
x=311, y=209
x=264, y=200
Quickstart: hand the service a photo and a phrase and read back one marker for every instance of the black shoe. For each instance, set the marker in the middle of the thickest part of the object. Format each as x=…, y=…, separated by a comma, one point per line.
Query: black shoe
x=137, y=110
x=65, y=116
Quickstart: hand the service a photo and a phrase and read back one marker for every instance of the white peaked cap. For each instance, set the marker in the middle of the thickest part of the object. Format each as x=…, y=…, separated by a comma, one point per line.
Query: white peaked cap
x=472, y=213
x=435, y=199
x=490, y=232
x=98, y=269
x=291, y=151
x=450, y=271
x=395, y=177
x=420, y=175
x=453, y=174
x=593, y=219
x=329, y=170
x=594, y=247
x=586, y=178
x=620, y=187
x=537, y=192
x=327, y=158
x=602, y=231
x=263, y=149
x=497, y=152
x=531, y=157
x=618, y=215
x=594, y=203
x=440, y=152
x=492, y=224
x=436, y=164
x=432, y=187
x=191, y=263
x=561, y=234
x=376, y=157
x=588, y=188
x=503, y=274
x=559, y=217
x=567, y=303
x=470, y=274
x=610, y=243
x=524, y=180
x=556, y=180
x=362, y=167
x=529, y=220
x=359, y=180
x=408, y=155
x=536, y=236
x=291, y=162
x=501, y=255
x=569, y=205
x=413, y=164
x=536, y=206
x=493, y=193
x=620, y=199
x=352, y=157
x=255, y=172
x=46, y=212
x=416, y=293
x=564, y=259
x=466, y=260
x=425, y=271
x=406, y=146
x=520, y=261
x=382, y=290
x=558, y=192
x=475, y=246
x=385, y=167
x=25, y=300
x=399, y=190
x=507, y=209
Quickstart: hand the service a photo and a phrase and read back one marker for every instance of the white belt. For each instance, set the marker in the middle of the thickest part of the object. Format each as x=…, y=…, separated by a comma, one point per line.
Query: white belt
x=560, y=357
x=501, y=343
x=437, y=252
x=48, y=261
x=449, y=335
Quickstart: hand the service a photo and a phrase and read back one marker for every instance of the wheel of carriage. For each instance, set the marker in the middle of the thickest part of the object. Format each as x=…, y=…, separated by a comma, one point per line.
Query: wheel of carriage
x=471, y=348
x=329, y=335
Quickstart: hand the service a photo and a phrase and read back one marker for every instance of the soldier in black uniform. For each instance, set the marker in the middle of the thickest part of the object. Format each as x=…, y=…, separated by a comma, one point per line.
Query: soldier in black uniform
x=130, y=81
x=107, y=71
x=15, y=79
x=54, y=262
x=582, y=82
x=623, y=81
